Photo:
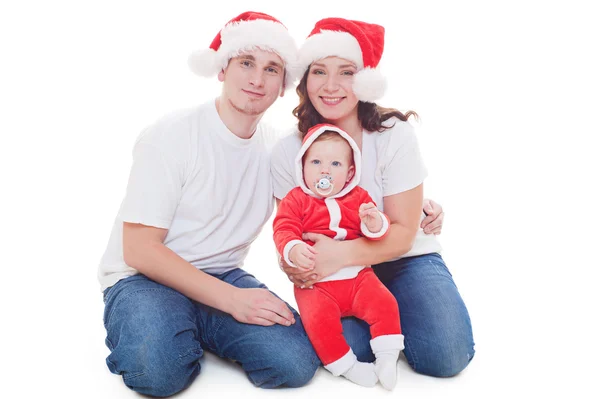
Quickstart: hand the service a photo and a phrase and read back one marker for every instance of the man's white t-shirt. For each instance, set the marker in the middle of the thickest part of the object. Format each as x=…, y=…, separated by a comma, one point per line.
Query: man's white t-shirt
x=211, y=189
x=391, y=164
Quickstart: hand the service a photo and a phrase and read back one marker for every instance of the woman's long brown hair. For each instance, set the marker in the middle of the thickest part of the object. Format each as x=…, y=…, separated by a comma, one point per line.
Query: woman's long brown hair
x=371, y=115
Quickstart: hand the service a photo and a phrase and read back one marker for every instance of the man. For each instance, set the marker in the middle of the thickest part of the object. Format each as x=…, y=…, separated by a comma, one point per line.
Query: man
x=198, y=194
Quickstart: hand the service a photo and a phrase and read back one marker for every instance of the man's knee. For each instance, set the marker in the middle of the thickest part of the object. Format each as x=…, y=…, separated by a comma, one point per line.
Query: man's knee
x=162, y=363
x=164, y=378
x=291, y=365
x=294, y=372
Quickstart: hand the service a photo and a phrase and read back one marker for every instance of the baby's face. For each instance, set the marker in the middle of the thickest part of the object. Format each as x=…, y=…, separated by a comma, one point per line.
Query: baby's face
x=328, y=166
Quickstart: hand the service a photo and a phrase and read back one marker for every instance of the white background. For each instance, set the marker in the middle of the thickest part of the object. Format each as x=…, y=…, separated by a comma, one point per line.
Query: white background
x=508, y=93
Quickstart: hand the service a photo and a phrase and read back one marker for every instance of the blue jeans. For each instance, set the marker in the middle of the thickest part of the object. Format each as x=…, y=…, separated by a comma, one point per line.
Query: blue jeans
x=157, y=336
x=435, y=322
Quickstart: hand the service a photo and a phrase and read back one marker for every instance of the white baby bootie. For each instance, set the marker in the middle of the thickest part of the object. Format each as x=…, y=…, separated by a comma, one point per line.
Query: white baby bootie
x=358, y=372
x=387, y=349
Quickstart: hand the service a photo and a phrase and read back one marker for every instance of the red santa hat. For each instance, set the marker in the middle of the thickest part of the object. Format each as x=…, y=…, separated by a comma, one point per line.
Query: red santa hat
x=359, y=42
x=313, y=133
x=246, y=32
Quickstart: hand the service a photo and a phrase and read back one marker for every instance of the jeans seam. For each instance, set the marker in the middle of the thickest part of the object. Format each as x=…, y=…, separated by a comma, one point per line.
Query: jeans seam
x=216, y=330
x=126, y=376
x=116, y=304
x=190, y=352
x=413, y=355
x=133, y=375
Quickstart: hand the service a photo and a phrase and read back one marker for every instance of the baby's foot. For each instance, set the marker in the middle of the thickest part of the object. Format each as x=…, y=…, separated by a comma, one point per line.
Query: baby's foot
x=385, y=369
x=362, y=374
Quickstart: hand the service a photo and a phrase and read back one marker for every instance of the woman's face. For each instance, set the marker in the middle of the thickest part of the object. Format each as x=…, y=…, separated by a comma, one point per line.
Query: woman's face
x=329, y=86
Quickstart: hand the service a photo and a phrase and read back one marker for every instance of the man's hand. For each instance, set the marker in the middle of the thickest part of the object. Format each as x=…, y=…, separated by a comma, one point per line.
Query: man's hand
x=259, y=306
x=369, y=215
x=432, y=224
x=303, y=256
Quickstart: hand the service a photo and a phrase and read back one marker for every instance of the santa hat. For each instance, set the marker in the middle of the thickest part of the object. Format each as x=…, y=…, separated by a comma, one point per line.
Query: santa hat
x=246, y=32
x=359, y=42
x=313, y=133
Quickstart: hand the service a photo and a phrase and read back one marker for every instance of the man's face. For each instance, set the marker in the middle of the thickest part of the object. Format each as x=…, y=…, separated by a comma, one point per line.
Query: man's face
x=252, y=81
x=332, y=158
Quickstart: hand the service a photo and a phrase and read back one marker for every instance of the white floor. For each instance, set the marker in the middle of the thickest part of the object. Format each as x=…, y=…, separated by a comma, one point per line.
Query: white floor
x=508, y=95
x=528, y=343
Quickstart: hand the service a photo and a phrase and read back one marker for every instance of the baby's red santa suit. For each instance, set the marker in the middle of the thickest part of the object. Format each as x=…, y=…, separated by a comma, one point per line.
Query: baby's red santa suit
x=335, y=216
x=352, y=291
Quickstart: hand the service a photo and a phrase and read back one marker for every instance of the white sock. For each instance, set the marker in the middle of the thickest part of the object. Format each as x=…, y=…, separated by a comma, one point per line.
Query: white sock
x=387, y=349
x=385, y=368
x=362, y=374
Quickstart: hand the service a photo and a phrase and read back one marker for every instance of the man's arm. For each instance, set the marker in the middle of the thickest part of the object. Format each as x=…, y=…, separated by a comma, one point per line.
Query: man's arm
x=144, y=250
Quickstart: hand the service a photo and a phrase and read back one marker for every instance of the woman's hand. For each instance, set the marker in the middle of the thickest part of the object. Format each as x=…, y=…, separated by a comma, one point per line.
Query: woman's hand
x=432, y=224
x=328, y=259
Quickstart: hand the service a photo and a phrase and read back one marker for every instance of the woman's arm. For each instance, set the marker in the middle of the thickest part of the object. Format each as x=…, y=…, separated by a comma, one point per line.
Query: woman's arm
x=432, y=224
x=404, y=210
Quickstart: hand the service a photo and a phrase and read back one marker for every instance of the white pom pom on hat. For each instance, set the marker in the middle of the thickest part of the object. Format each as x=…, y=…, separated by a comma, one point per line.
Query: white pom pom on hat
x=204, y=62
x=369, y=85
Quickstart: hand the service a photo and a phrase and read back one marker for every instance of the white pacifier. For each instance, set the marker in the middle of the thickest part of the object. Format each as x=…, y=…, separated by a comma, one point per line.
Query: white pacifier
x=324, y=186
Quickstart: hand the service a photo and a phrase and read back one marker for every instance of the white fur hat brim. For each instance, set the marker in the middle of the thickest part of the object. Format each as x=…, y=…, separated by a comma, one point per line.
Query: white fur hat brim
x=369, y=84
x=242, y=36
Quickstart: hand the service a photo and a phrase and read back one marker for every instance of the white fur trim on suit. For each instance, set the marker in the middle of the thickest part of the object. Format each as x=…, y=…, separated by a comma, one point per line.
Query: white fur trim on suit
x=243, y=36
x=335, y=217
x=346, y=273
x=369, y=85
x=384, y=227
x=387, y=342
x=286, y=251
x=342, y=365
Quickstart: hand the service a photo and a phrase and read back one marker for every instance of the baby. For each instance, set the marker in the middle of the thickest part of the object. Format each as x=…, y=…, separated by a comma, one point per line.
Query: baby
x=328, y=201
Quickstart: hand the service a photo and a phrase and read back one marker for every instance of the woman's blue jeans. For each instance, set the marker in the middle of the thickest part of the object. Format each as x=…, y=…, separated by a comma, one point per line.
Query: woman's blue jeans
x=435, y=322
x=157, y=336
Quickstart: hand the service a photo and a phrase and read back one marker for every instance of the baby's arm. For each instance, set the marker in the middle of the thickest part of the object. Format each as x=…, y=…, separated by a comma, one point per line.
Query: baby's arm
x=287, y=232
x=374, y=224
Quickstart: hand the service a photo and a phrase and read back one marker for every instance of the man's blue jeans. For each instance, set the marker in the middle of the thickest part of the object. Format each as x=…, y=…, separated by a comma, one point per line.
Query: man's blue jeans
x=435, y=322
x=157, y=335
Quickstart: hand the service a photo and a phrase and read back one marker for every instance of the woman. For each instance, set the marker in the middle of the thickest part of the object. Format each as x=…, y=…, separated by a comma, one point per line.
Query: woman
x=339, y=86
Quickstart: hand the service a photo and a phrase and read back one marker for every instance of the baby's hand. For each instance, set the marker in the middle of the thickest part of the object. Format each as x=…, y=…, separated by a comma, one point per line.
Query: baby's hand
x=369, y=214
x=303, y=256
